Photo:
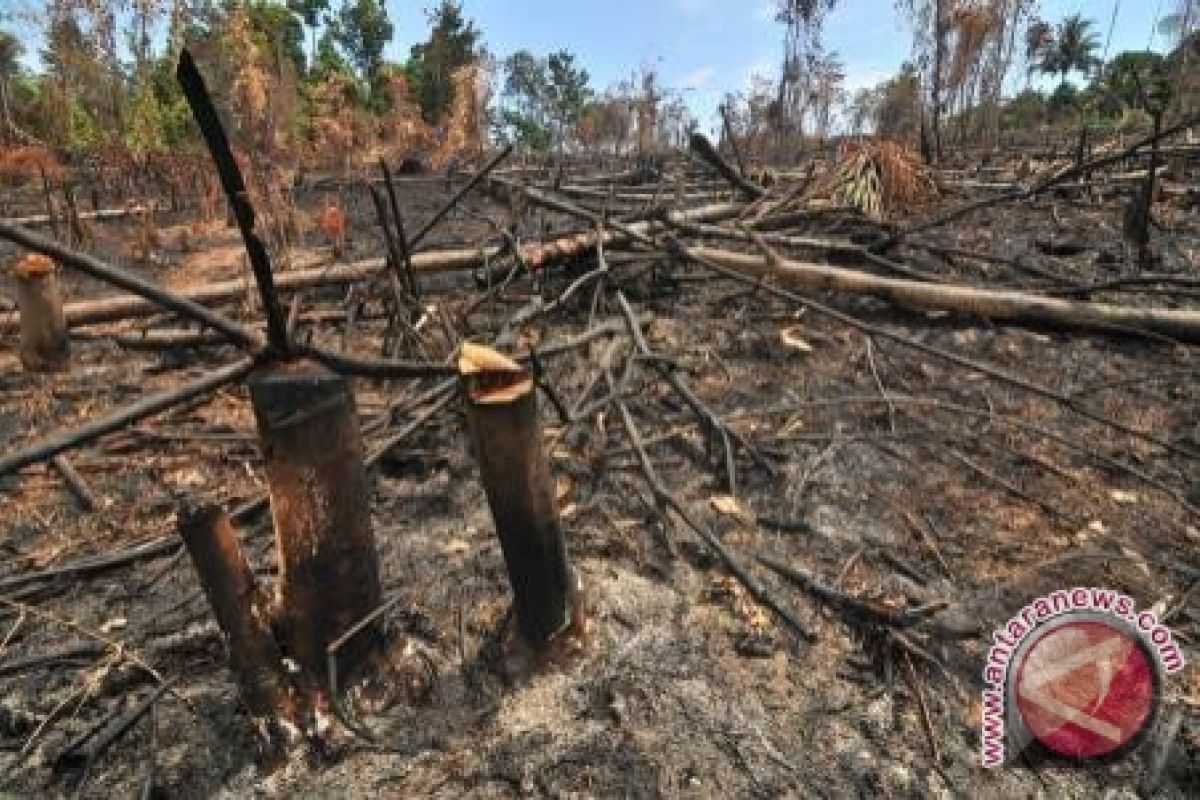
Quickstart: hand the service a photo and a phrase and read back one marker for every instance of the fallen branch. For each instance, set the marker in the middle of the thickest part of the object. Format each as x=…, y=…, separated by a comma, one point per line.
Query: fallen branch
x=735, y=568
x=192, y=84
x=975, y=366
x=146, y=407
x=149, y=296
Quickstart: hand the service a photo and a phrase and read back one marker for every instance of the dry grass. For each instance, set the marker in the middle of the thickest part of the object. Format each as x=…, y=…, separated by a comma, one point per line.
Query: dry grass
x=20, y=164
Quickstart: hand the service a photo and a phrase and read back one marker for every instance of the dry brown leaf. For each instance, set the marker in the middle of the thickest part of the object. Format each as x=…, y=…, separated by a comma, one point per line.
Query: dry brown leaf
x=731, y=507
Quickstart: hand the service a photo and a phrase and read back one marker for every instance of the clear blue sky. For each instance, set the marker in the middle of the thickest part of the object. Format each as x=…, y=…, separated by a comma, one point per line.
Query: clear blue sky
x=713, y=46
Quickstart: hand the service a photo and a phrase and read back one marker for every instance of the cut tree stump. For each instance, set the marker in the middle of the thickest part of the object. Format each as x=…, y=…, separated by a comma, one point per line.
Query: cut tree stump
x=45, y=342
x=320, y=502
x=507, y=440
x=239, y=608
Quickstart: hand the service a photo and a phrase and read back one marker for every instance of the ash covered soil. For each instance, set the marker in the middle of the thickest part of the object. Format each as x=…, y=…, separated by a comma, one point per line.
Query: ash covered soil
x=890, y=473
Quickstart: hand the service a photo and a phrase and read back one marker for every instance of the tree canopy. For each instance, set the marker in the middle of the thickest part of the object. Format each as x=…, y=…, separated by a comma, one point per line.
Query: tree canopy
x=453, y=42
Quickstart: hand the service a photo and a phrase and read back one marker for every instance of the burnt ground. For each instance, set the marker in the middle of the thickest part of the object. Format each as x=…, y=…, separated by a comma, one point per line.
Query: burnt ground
x=895, y=476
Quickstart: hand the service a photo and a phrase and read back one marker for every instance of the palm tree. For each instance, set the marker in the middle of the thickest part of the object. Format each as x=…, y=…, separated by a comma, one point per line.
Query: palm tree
x=1073, y=49
x=1039, y=39
x=1182, y=22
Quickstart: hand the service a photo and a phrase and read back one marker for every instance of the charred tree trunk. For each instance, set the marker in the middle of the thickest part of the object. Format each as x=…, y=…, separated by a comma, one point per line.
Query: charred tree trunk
x=939, y=58
x=45, y=342
x=239, y=609
x=328, y=564
x=507, y=440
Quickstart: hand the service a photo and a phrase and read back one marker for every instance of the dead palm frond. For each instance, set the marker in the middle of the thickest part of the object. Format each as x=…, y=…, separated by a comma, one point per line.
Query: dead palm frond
x=882, y=177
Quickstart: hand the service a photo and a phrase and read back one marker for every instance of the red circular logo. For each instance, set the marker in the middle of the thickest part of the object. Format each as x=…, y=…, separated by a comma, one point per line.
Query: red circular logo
x=1085, y=688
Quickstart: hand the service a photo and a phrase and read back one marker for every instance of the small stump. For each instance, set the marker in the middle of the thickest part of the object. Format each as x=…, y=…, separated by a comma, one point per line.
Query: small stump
x=242, y=613
x=45, y=341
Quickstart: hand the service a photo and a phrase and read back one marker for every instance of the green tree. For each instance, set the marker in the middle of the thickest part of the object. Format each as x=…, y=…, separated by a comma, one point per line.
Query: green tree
x=277, y=31
x=1131, y=74
x=362, y=29
x=1039, y=39
x=567, y=91
x=898, y=109
x=1024, y=111
x=1073, y=49
x=544, y=98
x=81, y=95
x=10, y=55
x=1064, y=101
x=453, y=43
x=328, y=60
x=523, y=112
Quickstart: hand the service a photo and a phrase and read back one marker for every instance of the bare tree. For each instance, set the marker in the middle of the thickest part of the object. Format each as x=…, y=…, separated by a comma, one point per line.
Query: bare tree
x=801, y=48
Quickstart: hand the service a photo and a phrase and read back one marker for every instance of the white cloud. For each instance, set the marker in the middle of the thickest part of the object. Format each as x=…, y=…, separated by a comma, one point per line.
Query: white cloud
x=700, y=78
x=864, y=77
x=694, y=6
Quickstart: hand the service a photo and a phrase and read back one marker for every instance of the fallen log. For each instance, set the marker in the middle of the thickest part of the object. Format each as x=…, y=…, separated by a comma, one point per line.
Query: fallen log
x=154, y=297
x=703, y=148
x=111, y=309
x=37, y=220
x=997, y=305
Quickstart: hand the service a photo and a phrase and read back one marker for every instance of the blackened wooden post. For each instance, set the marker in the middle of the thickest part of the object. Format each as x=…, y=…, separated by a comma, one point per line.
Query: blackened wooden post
x=328, y=565
x=507, y=440
x=228, y=583
x=45, y=342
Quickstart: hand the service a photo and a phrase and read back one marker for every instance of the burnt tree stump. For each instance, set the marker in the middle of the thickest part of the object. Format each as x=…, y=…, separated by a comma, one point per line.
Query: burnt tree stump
x=45, y=341
x=320, y=502
x=240, y=610
x=507, y=441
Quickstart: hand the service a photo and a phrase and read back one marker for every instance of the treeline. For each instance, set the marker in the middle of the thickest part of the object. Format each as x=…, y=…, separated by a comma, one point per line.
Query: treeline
x=957, y=86
x=308, y=81
x=292, y=78
x=1122, y=92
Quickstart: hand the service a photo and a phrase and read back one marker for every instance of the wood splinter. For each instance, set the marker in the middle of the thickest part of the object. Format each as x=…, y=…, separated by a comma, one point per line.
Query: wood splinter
x=507, y=440
x=45, y=342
